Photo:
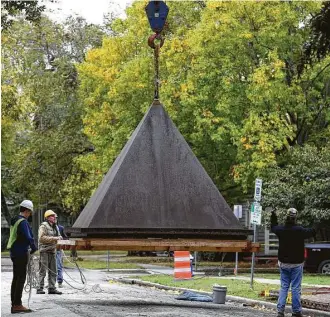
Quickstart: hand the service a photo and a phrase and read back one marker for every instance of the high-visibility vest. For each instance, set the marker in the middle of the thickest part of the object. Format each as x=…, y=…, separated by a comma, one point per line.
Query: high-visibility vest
x=13, y=233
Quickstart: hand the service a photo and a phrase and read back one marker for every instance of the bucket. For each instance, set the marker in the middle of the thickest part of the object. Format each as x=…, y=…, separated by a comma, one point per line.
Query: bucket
x=219, y=294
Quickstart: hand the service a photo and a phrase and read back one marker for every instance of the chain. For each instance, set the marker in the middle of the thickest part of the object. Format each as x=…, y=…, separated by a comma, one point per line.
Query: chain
x=156, y=41
x=156, y=13
x=157, y=81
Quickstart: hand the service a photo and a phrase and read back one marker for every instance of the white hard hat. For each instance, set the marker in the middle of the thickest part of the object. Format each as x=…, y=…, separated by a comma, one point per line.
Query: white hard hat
x=27, y=204
x=292, y=212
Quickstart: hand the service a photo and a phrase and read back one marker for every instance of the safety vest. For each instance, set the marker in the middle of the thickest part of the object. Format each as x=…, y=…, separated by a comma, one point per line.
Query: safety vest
x=13, y=233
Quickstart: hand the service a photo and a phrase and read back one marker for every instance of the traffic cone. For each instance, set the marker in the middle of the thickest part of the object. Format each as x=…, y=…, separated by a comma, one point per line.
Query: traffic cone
x=182, y=268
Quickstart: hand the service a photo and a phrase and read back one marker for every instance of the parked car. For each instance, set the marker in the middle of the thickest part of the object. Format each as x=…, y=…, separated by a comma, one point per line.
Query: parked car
x=317, y=257
x=165, y=253
x=142, y=253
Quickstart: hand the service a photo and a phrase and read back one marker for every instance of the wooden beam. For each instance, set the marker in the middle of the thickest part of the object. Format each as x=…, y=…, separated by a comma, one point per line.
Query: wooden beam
x=160, y=245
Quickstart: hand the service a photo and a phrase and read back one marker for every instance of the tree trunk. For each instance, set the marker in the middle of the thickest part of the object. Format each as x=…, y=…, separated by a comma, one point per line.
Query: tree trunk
x=4, y=208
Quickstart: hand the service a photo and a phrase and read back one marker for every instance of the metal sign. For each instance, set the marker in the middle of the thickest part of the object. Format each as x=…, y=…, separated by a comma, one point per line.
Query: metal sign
x=257, y=189
x=238, y=211
x=256, y=210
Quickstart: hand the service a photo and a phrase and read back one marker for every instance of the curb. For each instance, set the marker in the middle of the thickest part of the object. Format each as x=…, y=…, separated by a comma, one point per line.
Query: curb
x=237, y=299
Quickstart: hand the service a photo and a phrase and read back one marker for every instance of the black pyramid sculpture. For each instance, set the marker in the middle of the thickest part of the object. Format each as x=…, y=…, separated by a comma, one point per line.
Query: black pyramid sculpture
x=157, y=188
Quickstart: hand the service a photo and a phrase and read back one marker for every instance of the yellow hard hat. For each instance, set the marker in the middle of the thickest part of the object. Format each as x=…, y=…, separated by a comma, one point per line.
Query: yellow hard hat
x=49, y=213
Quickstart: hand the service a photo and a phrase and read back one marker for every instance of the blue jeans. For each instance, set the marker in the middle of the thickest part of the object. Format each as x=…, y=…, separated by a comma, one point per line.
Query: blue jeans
x=59, y=266
x=291, y=276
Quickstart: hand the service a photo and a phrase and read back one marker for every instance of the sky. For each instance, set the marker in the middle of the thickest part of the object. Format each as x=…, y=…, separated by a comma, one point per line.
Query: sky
x=91, y=10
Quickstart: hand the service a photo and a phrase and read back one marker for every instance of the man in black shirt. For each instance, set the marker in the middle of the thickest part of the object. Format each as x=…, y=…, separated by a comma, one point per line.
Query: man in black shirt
x=290, y=259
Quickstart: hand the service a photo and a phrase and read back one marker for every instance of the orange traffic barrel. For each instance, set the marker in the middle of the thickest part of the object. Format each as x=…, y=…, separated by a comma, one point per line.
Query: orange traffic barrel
x=182, y=269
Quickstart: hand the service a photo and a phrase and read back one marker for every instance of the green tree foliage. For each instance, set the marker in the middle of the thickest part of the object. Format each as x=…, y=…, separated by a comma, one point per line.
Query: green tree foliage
x=12, y=9
x=41, y=115
x=318, y=45
x=229, y=81
x=234, y=79
x=304, y=183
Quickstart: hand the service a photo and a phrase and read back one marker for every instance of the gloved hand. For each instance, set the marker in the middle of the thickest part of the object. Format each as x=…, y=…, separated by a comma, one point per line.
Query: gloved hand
x=273, y=218
x=59, y=238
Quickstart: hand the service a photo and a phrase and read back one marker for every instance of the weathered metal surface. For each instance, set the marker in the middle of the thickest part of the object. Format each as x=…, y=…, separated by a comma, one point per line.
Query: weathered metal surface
x=157, y=187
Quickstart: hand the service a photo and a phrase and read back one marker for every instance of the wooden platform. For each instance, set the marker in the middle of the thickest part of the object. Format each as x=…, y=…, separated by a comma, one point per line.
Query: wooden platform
x=159, y=245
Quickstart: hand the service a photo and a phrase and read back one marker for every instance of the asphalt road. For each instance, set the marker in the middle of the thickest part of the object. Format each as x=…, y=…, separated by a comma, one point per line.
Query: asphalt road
x=101, y=298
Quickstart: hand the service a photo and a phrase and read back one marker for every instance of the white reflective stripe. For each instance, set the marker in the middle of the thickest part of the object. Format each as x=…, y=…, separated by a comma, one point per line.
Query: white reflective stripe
x=182, y=259
x=181, y=270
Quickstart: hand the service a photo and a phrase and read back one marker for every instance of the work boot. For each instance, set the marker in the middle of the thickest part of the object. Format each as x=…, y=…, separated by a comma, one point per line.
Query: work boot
x=17, y=309
x=280, y=314
x=54, y=291
x=40, y=291
x=298, y=314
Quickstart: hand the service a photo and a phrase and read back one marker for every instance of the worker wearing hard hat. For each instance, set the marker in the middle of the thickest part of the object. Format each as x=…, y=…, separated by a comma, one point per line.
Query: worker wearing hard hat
x=20, y=241
x=48, y=236
x=59, y=257
x=290, y=259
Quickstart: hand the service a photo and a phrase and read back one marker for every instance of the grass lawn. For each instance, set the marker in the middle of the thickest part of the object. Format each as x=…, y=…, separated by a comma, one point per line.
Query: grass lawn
x=308, y=278
x=97, y=265
x=234, y=287
x=168, y=262
x=157, y=260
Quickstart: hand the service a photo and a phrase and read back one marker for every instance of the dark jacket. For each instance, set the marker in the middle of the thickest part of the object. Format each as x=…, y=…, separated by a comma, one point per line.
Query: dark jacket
x=61, y=229
x=24, y=238
x=291, y=241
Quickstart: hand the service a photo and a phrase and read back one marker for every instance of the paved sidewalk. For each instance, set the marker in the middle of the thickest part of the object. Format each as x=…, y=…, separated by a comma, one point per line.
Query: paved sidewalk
x=76, y=303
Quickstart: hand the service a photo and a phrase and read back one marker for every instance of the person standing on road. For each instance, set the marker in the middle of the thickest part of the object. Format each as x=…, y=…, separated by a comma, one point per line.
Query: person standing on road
x=290, y=259
x=191, y=264
x=59, y=258
x=20, y=240
x=48, y=236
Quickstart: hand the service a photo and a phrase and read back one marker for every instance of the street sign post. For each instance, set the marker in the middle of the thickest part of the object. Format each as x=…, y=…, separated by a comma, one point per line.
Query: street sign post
x=257, y=189
x=255, y=218
x=256, y=209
